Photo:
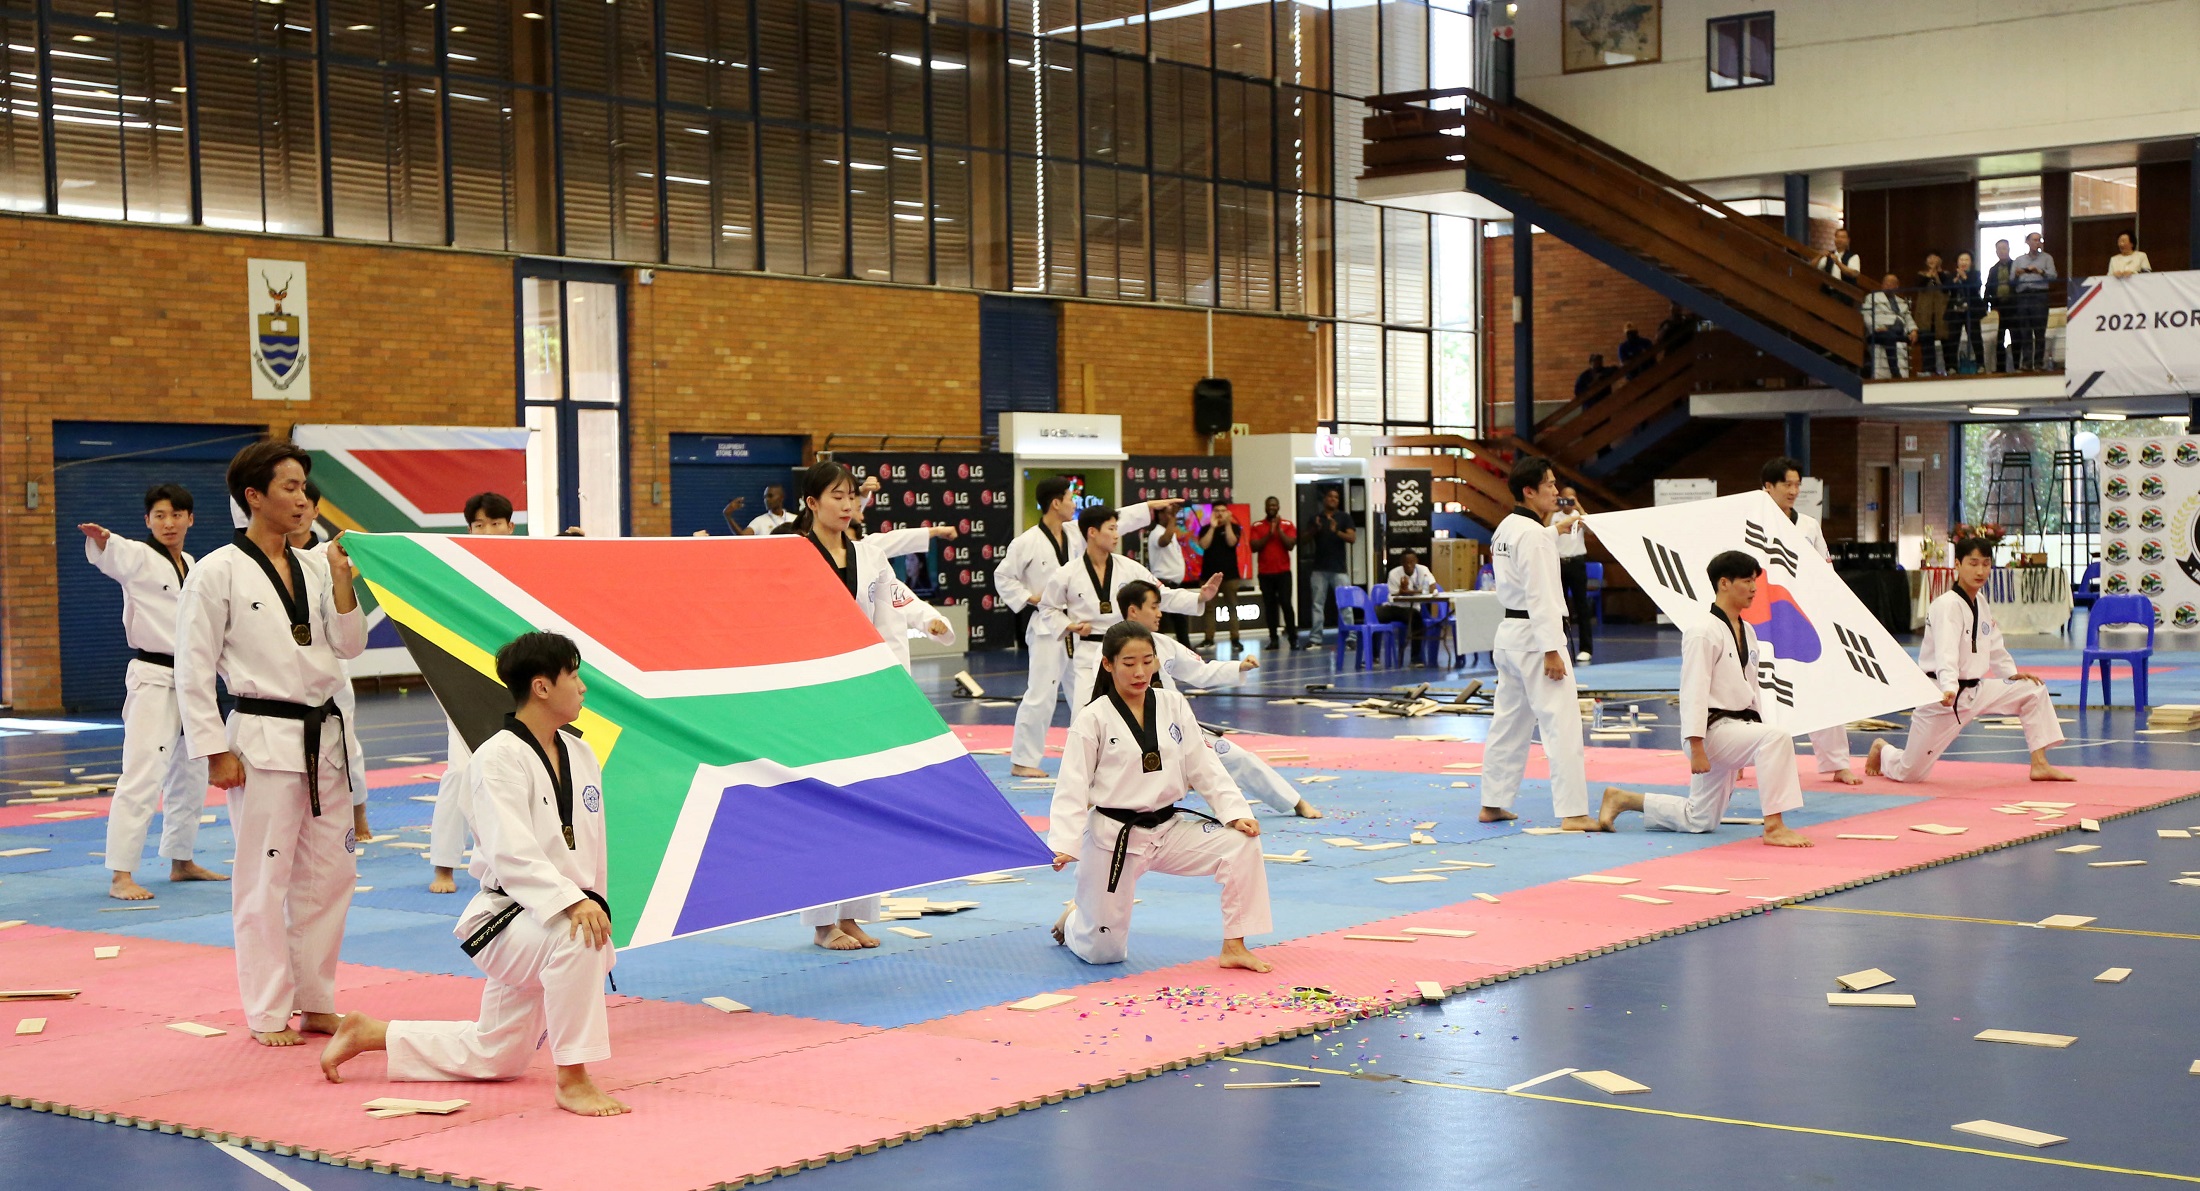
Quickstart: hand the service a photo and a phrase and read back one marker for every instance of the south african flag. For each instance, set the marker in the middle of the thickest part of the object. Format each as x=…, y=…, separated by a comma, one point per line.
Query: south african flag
x=762, y=750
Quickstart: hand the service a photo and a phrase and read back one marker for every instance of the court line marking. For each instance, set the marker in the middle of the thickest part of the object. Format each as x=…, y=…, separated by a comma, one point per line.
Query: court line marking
x=2099, y=930
x=1716, y=1120
x=262, y=1165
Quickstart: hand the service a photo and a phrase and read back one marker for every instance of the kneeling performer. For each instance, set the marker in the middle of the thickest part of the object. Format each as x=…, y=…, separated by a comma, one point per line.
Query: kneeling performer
x=1719, y=718
x=1963, y=651
x=538, y=928
x=1132, y=753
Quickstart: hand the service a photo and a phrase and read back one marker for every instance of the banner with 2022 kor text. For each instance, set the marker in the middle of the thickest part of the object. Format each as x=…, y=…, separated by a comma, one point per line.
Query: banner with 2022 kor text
x=1823, y=658
x=2150, y=524
x=2133, y=336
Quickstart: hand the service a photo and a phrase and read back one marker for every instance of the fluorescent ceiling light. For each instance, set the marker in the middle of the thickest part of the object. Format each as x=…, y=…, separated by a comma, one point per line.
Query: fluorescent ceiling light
x=1995, y=409
x=2096, y=416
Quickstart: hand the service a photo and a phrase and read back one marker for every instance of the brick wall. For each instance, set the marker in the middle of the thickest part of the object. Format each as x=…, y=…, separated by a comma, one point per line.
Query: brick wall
x=1144, y=363
x=106, y=322
x=1581, y=307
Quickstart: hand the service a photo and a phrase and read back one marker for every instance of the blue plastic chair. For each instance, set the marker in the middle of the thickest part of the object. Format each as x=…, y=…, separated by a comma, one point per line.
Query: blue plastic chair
x=1351, y=600
x=2084, y=592
x=1439, y=630
x=1595, y=571
x=2117, y=609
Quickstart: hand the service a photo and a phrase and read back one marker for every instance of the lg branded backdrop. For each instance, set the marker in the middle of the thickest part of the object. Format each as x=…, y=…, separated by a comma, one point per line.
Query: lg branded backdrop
x=2150, y=524
x=1201, y=482
x=971, y=492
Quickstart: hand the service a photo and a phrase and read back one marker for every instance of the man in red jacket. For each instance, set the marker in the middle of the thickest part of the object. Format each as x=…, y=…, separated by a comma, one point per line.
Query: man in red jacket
x=1273, y=541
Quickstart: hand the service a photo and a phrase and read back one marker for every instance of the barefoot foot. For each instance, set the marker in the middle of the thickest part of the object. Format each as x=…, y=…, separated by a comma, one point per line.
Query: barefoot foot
x=1578, y=823
x=442, y=881
x=124, y=887
x=1845, y=775
x=1060, y=924
x=320, y=1023
x=1871, y=759
x=1784, y=837
x=1497, y=814
x=1307, y=810
x=283, y=1037
x=1615, y=803
x=579, y=1094
x=854, y=930
x=831, y=939
x=1235, y=955
x=1026, y=771
x=356, y=1035
x=192, y=870
x=2043, y=772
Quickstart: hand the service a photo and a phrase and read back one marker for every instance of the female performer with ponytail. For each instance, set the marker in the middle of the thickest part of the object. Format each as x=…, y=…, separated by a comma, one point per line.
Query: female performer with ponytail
x=1132, y=752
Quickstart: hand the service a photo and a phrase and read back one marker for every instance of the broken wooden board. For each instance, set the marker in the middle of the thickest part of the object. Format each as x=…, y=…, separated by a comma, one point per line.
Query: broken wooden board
x=909, y=932
x=432, y=1107
x=1466, y=863
x=1611, y=1082
x=196, y=1030
x=1409, y=879
x=1542, y=831
x=77, y=814
x=106, y=952
x=1338, y=841
x=12, y=853
x=1938, y=829
x=1421, y=837
x=11, y=923
x=2079, y=849
x=1603, y=879
x=1315, y=778
x=1383, y=847
x=2089, y=824
x=1491, y=898
x=30, y=1025
x=1742, y=821
x=2064, y=921
x=1428, y=826
x=1703, y=889
x=2114, y=863
x=2025, y=1038
x=1860, y=835
x=2164, y=833
x=1429, y=990
x=1873, y=1000
x=1437, y=932
x=993, y=879
x=1277, y=1086
x=725, y=1004
x=1041, y=1002
x=1382, y=938
x=39, y=994
x=1646, y=899
x=1298, y=857
x=2113, y=976
x=2038, y=805
x=1859, y=981
x=1996, y=1131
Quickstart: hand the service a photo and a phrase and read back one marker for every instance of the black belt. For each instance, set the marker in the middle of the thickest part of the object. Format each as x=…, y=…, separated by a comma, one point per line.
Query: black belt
x=1522, y=614
x=1962, y=684
x=1092, y=637
x=158, y=659
x=312, y=718
x=1146, y=819
x=487, y=932
x=1747, y=715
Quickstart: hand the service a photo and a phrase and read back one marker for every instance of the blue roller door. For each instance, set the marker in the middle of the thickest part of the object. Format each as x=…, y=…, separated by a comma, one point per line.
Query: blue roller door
x=708, y=470
x=1018, y=342
x=101, y=472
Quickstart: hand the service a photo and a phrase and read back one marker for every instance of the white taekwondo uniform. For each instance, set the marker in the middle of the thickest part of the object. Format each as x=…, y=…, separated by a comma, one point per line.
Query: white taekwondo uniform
x=541, y=978
x=347, y=701
x=1524, y=557
x=292, y=883
x=157, y=770
x=1103, y=771
x=449, y=828
x=1962, y=650
x=1829, y=744
x=1019, y=578
x=1719, y=704
x=1182, y=667
x=1073, y=595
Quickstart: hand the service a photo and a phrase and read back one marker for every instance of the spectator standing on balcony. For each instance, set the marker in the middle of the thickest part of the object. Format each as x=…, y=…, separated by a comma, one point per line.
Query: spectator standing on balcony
x=2128, y=261
x=1841, y=262
x=1889, y=329
x=1632, y=345
x=1966, y=307
x=1593, y=375
x=2001, y=297
x=1930, y=309
x=2034, y=273
x=1274, y=539
x=1675, y=320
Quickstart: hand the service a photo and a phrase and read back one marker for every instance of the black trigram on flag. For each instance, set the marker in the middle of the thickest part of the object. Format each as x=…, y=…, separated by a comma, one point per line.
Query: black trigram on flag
x=1671, y=573
x=1770, y=547
x=1861, y=658
x=1781, y=688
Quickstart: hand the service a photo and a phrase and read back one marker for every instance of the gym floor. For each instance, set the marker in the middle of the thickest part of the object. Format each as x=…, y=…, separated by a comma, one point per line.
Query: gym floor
x=1756, y=1082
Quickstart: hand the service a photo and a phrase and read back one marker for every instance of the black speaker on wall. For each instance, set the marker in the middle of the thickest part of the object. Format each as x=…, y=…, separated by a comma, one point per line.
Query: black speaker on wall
x=1211, y=406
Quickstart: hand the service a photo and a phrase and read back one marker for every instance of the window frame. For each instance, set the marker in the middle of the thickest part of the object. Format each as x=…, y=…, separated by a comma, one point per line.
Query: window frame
x=1741, y=21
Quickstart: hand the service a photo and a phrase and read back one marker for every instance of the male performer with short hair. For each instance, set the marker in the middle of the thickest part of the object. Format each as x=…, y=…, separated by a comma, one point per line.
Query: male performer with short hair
x=1083, y=598
x=1962, y=650
x=156, y=768
x=1535, y=686
x=275, y=624
x=1023, y=572
x=1720, y=720
x=539, y=929
x=487, y=514
x=1783, y=482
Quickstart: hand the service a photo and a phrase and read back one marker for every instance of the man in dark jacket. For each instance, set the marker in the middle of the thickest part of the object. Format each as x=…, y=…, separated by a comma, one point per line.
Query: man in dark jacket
x=1966, y=308
x=2001, y=297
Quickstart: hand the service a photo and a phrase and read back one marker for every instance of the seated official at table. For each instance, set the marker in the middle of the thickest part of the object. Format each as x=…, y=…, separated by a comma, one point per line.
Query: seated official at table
x=1408, y=578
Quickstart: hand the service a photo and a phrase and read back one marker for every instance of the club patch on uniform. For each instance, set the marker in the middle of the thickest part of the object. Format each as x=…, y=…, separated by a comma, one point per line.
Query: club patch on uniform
x=351, y=839
x=592, y=798
x=1221, y=747
x=1176, y=733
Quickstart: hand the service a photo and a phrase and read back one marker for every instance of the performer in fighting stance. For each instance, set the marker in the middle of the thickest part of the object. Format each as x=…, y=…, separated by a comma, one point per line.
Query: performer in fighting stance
x=1132, y=753
x=274, y=624
x=1962, y=650
x=1783, y=482
x=157, y=770
x=539, y=928
x=1084, y=598
x=1182, y=667
x=1535, y=685
x=1720, y=720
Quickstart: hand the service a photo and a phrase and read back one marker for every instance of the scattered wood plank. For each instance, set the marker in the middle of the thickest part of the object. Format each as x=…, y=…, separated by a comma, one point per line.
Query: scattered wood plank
x=1409, y=879
x=1430, y=990
x=725, y=1004
x=106, y=952
x=909, y=932
x=2079, y=849
x=2089, y=824
x=1873, y=1000
x=1338, y=841
x=1859, y=835
x=12, y=853
x=1703, y=889
x=2114, y=863
x=1859, y=981
x=30, y=1025
x=1385, y=846
x=1276, y=1086
x=1421, y=837
x=2025, y=1038
x=2113, y=976
x=1646, y=899
x=1043, y=1001
x=1938, y=829
x=1611, y=1082
x=1491, y=898
x=1996, y=1131
x=12, y=923
x=1437, y=932
x=2064, y=921
x=1525, y=1084
x=71, y=814
x=1467, y=863
x=1294, y=858
x=1604, y=879
x=1542, y=831
x=432, y=1107
x=39, y=994
x=196, y=1030
x=2165, y=833
x=1382, y=938
x=1743, y=821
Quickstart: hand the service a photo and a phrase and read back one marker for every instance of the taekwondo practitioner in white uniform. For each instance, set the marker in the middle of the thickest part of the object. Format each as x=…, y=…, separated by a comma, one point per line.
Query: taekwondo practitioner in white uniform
x=1962, y=650
x=156, y=769
x=1131, y=754
x=1783, y=481
x=1083, y=598
x=1019, y=579
x=488, y=514
x=275, y=624
x=1535, y=685
x=310, y=541
x=1720, y=719
x=539, y=928
x=1182, y=667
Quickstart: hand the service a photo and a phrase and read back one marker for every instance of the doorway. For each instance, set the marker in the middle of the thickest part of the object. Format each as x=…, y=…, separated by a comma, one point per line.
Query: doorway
x=2093, y=241
x=572, y=396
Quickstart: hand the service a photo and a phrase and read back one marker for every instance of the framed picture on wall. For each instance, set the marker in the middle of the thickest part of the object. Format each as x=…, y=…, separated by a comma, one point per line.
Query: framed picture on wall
x=1601, y=34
